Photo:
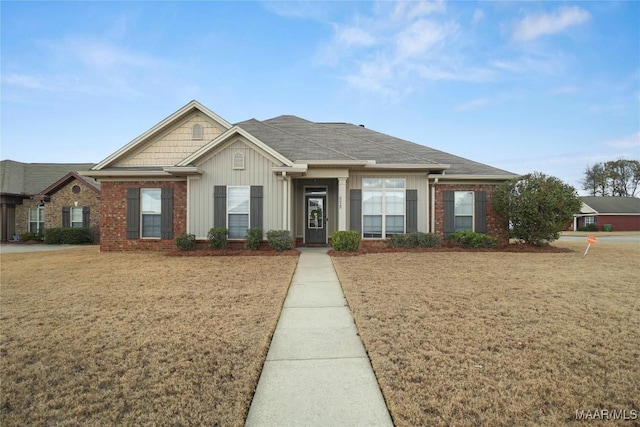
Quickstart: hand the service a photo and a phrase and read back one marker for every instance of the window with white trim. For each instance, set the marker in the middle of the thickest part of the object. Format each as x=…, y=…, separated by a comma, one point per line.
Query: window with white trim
x=589, y=220
x=76, y=217
x=383, y=207
x=463, y=212
x=238, y=202
x=197, y=132
x=150, y=212
x=36, y=219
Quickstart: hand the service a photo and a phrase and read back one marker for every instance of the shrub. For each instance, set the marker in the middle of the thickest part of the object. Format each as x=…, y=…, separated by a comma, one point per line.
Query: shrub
x=217, y=237
x=186, y=242
x=471, y=239
x=536, y=207
x=588, y=227
x=345, y=240
x=29, y=236
x=280, y=240
x=68, y=236
x=414, y=240
x=254, y=235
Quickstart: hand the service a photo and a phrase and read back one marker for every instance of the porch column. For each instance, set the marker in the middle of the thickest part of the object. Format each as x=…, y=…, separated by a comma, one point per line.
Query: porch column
x=285, y=202
x=342, y=204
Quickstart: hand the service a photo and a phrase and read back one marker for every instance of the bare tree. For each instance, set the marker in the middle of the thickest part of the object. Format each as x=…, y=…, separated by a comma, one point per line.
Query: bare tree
x=613, y=178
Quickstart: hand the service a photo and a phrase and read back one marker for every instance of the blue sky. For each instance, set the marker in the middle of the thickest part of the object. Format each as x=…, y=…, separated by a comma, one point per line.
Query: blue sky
x=524, y=86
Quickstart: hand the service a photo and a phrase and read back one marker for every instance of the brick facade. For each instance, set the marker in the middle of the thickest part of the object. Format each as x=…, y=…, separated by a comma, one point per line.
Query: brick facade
x=113, y=216
x=65, y=196
x=494, y=227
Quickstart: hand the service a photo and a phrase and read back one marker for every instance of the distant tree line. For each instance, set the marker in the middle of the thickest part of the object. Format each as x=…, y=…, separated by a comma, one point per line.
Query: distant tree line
x=613, y=178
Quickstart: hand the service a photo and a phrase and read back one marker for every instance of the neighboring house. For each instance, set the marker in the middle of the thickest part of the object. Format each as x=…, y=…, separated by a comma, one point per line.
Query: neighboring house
x=620, y=213
x=36, y=196
x=194, y=171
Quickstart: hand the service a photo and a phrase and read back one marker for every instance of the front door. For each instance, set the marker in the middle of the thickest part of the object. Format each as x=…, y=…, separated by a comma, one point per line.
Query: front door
x=315, y=228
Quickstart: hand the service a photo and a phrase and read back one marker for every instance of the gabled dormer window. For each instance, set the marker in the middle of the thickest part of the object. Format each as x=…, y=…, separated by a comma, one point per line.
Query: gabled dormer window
x=196, y=132
x=238, y=160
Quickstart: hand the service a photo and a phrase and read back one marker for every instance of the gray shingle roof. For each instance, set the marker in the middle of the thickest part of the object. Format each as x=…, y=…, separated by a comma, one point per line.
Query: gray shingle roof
x=32, y=178
x=613, y=205
x=299, y=139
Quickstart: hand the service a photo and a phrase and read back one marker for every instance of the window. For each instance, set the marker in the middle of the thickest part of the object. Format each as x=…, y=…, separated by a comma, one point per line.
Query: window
x=463, y=211
x=150, y=212
x=36, y=219
x=76, y=217
x=589, y=220
x=383, y=207
x=238, y=200
x=196, y=132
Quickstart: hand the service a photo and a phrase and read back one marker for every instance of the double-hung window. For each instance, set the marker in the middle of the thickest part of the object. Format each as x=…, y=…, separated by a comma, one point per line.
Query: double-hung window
x=76, y=217
x=463, y=210
x=589, y=220
x=238, y=201
x=36, y=219
x=150, y=212
x=383, y=207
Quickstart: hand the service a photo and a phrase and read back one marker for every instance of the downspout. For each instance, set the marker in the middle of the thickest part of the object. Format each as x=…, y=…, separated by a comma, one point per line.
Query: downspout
x=433, y=206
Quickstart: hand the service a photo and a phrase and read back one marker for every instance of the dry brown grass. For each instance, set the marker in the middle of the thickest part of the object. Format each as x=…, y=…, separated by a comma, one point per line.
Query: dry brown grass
x=478, y=338
x=134, y=338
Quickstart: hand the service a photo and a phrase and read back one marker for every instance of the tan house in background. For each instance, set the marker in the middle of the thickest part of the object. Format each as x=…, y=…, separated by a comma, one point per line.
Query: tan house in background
x=37, y=196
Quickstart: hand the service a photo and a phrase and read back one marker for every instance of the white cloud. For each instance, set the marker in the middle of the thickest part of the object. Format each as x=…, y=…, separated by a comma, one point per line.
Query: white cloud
x=478, y=16
x=22, y=80
x=421, y=36
x=353, y=36
x=534, y=26
x=408, y=10
x=473, y=104
x=629, y=141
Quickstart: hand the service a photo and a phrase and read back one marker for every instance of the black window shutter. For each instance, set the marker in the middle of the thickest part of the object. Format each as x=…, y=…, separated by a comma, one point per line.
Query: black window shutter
x=355, y=210
x=255, y=208
x=412, y=211
x=219, y=206
x=66, y=216
x=480, y=212
x=86, y=216
x=449, y=206
x=133, y=213
x=166, y=213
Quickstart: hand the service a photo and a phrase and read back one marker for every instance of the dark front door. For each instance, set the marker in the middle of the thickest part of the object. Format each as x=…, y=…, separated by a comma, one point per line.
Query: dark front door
x=315, y=227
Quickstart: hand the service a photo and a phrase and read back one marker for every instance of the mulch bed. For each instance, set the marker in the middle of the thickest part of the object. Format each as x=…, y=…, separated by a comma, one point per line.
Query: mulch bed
x=232, y=252
x=522, y=248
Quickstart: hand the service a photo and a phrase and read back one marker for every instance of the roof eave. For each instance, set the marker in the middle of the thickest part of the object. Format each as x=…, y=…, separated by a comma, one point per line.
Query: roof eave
x=477, y=177
x=101, y=174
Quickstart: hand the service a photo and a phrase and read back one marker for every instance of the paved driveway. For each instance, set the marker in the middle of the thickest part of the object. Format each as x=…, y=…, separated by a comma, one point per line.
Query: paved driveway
x=13, y=248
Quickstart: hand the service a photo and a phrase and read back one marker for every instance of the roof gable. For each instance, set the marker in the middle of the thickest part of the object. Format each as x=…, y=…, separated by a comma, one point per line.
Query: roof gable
x=612, y=205
x=158, y=140
x=71, y=176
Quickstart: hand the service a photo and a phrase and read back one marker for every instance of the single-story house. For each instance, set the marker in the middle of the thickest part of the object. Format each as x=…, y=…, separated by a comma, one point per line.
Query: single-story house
x=194, y=171
x=617, y=213
x=36, y=196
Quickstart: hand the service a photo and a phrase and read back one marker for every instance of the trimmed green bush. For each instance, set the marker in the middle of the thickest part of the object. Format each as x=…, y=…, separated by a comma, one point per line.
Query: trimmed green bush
x=414, y=240
x=254, y=235
x=280, y=240
x=345, y=240
x=68, y=236
x=217, y=238
x=588, y=227
x=471, y=239
x=186, y=242
x=26, y=237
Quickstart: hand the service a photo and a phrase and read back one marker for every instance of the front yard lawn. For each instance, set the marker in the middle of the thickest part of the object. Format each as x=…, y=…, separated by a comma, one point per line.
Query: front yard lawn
x=501, y=339
x=134, y=338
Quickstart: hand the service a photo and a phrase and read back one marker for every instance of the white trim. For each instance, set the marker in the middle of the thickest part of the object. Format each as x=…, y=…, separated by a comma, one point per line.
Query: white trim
x=235, y=130
x=473, y=209
x=248, y=213
x=142, y=213
x=187, y=109
x=472, y=177
x=383, y=213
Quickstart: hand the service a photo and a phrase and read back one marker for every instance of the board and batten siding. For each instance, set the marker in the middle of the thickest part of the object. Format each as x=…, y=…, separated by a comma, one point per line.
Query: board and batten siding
x=218, y=170
x=413, y=181
x=174, y=145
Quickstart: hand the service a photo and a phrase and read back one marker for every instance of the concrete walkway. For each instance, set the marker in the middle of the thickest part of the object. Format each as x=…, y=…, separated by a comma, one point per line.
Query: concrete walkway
x=317, y=372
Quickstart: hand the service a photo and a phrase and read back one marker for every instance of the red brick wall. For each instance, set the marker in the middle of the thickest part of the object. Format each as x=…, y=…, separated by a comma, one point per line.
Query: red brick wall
x=494, y=228
x=618, y=222
x=113, y=216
